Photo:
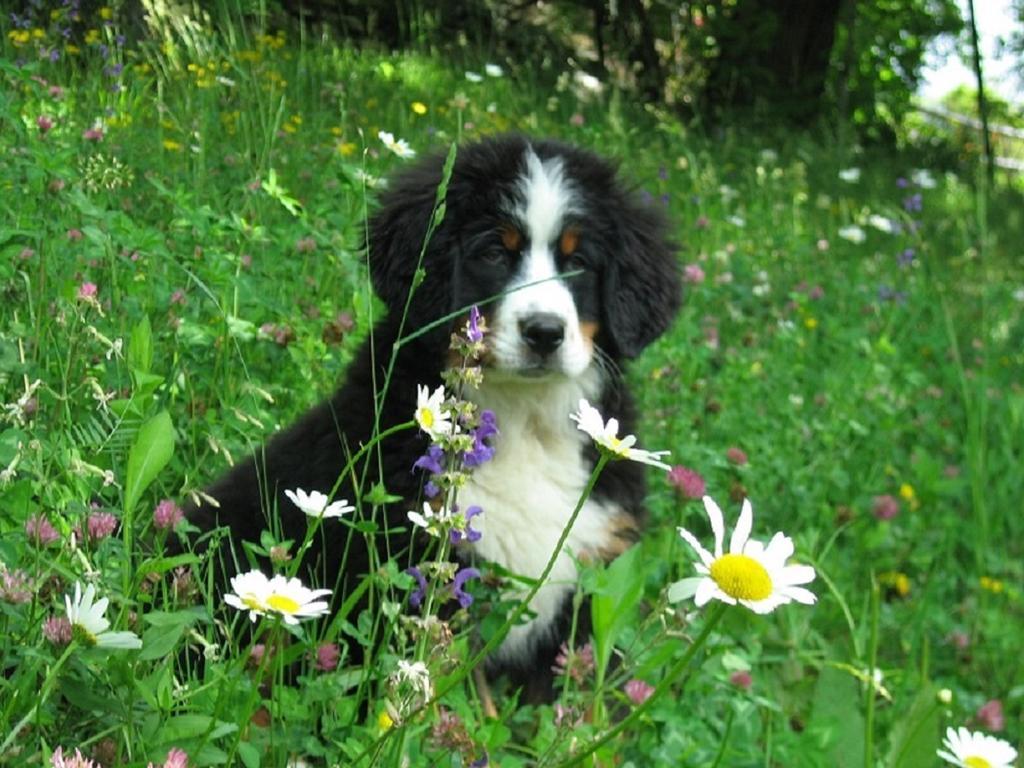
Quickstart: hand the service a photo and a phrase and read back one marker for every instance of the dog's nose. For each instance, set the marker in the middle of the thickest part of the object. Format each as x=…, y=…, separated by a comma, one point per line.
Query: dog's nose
x=543, y=332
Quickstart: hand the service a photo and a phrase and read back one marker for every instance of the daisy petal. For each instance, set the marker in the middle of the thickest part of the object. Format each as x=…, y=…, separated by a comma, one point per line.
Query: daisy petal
x=741, y=532
x=683, y=589
x=717, y=523
x=690, y=539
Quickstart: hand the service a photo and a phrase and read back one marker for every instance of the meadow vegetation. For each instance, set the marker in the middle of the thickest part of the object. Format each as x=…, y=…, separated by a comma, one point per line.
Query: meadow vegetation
x=181, y=273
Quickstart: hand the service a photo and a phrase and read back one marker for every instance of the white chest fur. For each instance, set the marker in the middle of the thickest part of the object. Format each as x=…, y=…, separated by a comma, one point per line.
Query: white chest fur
x=528, y=492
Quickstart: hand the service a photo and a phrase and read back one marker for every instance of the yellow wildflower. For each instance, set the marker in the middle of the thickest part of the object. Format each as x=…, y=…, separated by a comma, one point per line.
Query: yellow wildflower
x=995, y=586
x=71, y=49
x=92, y=36
x=106, y=13
x=419, y=108
x=171, y=145
x=810, y=323
x=908, y=495
x=346, y=148
x=384, y=721
x=898, y=581
x=18, y=37
x=38, y=34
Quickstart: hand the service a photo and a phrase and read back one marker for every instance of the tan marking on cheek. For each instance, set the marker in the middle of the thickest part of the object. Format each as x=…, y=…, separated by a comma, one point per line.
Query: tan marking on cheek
x=588, y=331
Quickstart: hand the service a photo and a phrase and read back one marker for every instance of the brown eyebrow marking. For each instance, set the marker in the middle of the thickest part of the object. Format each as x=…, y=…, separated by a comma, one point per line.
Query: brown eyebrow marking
x=569, y=241
x=511, y=237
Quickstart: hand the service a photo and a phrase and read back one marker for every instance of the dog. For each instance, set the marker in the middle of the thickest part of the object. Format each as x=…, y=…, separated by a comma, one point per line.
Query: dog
x=573, y=274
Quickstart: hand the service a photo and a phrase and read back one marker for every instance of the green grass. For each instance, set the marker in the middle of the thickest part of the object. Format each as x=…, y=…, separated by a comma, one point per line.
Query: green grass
x=220, y=221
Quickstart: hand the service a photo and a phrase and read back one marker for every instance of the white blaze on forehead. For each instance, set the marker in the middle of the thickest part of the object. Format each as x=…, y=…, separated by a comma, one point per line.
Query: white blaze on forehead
x=546, y=198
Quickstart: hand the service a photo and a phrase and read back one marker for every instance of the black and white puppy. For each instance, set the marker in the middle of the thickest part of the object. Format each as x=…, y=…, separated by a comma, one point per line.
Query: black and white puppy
x=519, y=213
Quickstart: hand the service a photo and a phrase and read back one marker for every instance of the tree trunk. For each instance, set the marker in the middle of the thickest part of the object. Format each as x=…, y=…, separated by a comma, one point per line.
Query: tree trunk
x=774, y=51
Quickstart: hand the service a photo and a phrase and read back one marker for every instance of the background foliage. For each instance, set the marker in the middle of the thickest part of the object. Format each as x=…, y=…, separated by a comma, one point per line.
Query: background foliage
x=181, y=273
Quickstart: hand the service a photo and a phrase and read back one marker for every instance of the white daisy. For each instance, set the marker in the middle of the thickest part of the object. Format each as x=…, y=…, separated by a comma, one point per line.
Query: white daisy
x=589, y=420
x=976, y=750
x=884, y=224
x=494, y=70
x=250, y=593
x=283, y=596
x=751, y=573
x=474, y=77
x=88, y=623
x=850, y=175
x=923, y=178
x=853, y=233
x=315, y=504
x=430, y=520
x=399, y=146
x=429, y=414
x=293, y=601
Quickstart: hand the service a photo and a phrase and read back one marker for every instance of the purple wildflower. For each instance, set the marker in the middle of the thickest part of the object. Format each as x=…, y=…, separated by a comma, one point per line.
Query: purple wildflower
x=465, y=574
x=100, y=525
x=167, y=515
x=481, y=452
x=638, y=691
x=14, y=586
x=885, y=507
x=40, y=531
x=576, y=663
x=888, y=293
x=473, y=332
x=687, y=481
x=483, y=762
x=906, y=257
x=327, y=655
x=430, y=489
x=416, y=598
x=468, y=534
x=912, y=203
x=57, y=629
x=432, y=460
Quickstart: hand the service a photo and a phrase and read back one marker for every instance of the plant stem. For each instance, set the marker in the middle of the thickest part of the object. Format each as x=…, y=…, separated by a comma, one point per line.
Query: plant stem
x=715, y=615
x=869, y=704
x=44, y=693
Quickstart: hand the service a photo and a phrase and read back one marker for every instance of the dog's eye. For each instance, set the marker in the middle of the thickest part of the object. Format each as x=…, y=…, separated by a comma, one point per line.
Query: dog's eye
x=511, y=238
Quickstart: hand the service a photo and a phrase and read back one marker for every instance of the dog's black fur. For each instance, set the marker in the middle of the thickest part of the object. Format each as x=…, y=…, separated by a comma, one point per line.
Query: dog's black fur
x=630, y=291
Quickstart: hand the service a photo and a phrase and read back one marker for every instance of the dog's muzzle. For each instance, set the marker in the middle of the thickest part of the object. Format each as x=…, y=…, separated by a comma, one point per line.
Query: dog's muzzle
x=543, y=333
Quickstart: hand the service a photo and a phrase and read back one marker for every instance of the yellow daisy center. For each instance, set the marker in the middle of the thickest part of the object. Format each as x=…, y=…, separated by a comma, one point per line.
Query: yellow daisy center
x=83, y=635
x=426, y=418
x=252, y=602
x=614, y=444
x=741, y=577
x=977, y=762
x=283, y=604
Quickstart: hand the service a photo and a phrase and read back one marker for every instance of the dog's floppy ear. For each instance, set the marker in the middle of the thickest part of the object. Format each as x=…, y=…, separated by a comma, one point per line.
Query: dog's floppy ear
x=395, y=235
x=642, y=285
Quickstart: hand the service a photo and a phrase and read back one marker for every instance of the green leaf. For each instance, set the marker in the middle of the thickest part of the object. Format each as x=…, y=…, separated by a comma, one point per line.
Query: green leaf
x=379, y=495
x=158, y=641
x=140, y=347
x=836, y=727
x=915, y=736
x=153, y=448
x=249, y=755
x=616, y=593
